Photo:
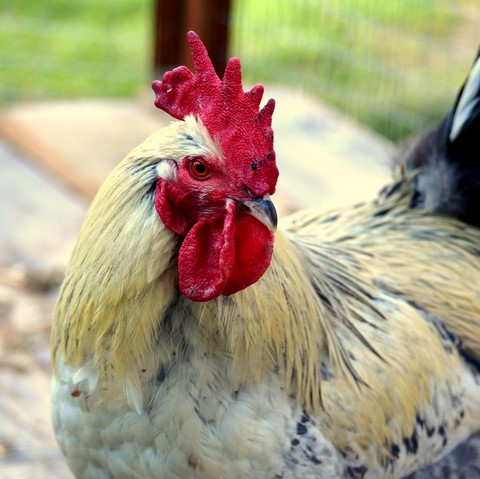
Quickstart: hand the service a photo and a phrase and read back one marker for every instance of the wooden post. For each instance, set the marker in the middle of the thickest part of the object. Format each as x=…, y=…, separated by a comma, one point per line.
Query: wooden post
x=174, y=18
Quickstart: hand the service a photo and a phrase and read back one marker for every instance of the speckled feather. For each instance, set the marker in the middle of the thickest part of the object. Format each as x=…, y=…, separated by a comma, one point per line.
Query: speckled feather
x=368, y=362
x=354, y=356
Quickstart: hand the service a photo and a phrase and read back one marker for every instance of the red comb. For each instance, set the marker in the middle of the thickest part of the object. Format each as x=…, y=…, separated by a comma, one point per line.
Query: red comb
x=230, y=115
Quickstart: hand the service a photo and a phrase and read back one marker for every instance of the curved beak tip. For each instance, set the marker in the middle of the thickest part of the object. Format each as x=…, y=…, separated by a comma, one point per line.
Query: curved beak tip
x=263, y=210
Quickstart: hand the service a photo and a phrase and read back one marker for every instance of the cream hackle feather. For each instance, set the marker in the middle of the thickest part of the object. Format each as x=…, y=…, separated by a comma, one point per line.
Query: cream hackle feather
x=116, y=292
x=327, y=267
x=366, y=324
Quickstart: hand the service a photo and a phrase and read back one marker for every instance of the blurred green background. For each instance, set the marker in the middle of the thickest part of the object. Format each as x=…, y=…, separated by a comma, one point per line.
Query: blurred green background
x=394, y=66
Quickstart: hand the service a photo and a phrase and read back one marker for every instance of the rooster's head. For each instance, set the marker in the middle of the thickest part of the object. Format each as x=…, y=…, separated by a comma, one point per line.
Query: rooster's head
x=216, y=195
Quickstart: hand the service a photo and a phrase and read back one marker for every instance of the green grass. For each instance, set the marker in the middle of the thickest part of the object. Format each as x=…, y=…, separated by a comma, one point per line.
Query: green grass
x=392, y=65
x=67, y=49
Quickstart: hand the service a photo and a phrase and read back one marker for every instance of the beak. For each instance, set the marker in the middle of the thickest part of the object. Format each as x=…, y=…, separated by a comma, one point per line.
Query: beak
x=262, y=209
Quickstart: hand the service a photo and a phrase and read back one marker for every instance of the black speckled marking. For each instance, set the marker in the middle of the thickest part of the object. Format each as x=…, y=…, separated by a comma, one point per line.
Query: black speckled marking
x=391, y=189
x=330, y=219
x=395, y=451
x=305, y=418
x=320, y=294
x=309, y=450
x=443, y=434
x=459, y=419
x=313, y=458
x=381, y=213
x=301, y=429
x=356, y=472
x=411, y=443
x=258, y=163
x=326, y=372
x=190, y=140
x=420, y=421
x=161, y=375
x=447, y=336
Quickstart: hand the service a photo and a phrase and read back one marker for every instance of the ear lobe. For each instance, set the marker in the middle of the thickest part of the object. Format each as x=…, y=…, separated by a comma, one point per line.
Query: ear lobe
x=167, y=170
x=171, y=216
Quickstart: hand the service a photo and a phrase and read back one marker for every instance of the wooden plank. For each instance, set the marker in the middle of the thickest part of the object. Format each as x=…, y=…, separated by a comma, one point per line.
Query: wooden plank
x=80, y=142
x=45, y=155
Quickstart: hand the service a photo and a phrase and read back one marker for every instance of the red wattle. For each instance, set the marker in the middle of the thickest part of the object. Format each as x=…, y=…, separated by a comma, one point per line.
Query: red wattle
x=206, y=257
x=253, y=253
x=223, y=255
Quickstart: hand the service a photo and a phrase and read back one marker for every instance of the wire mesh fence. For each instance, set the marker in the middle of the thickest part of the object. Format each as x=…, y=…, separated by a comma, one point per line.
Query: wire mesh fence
x=393, y=65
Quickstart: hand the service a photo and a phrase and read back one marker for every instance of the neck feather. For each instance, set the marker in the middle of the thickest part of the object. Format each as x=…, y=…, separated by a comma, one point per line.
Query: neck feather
x=122, y=282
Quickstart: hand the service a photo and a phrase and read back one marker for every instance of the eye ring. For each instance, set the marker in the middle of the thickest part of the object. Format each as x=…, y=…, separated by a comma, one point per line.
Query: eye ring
x=198, y=168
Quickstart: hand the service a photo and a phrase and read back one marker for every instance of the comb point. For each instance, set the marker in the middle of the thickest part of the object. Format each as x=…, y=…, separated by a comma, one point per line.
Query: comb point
x=265, y=114
x=201, y=61
x=232, y=78
x=255, y=96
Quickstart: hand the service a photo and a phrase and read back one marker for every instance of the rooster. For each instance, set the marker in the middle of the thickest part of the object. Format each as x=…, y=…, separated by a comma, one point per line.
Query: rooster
x=193, y=340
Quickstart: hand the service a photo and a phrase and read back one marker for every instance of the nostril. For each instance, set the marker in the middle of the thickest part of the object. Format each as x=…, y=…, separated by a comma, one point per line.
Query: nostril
x=243, y=206
x=260, y=208
x=249, y=192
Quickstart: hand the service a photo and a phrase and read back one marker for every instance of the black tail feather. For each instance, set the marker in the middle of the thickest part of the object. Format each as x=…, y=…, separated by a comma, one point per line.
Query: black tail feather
x=449, y=157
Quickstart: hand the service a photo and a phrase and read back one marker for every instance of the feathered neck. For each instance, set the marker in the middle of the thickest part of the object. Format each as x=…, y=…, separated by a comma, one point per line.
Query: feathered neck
x=111, y=314
x=122, y=280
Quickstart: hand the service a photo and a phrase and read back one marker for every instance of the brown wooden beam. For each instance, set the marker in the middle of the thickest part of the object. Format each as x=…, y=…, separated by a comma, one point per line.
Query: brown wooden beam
x=173, y=19
x=168, y=17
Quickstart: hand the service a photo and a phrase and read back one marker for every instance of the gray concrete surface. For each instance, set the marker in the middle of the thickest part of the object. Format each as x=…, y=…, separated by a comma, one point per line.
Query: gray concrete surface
x=39, y=221
x=39, y=218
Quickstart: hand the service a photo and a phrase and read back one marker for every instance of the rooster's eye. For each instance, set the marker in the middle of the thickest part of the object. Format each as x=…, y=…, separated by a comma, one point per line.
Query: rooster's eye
x=198, y=169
